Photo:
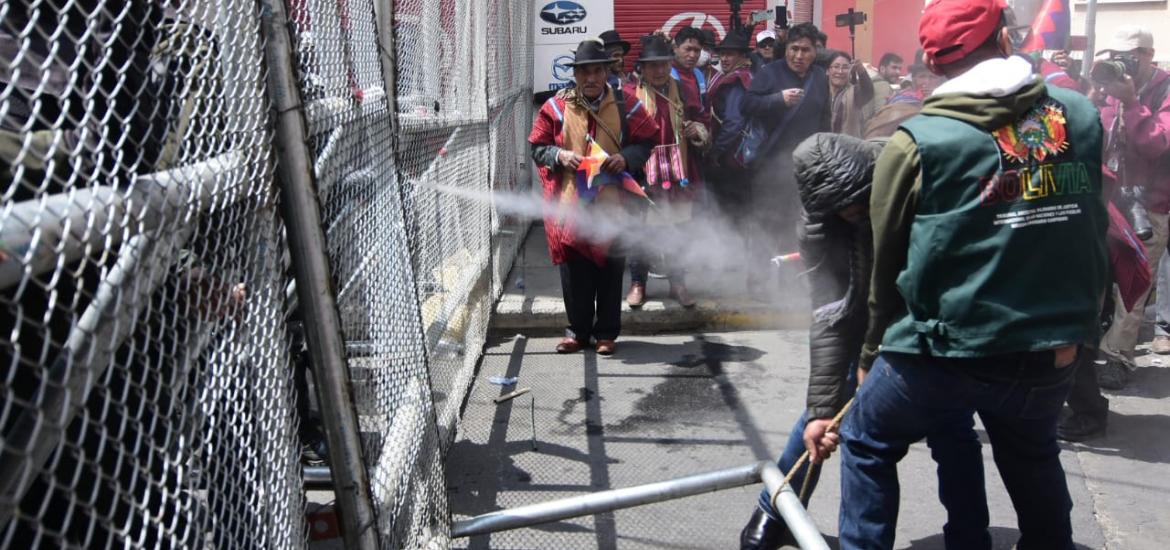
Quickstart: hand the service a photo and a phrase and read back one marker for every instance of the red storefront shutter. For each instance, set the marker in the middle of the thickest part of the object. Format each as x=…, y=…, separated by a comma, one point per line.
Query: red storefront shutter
x=635, y=18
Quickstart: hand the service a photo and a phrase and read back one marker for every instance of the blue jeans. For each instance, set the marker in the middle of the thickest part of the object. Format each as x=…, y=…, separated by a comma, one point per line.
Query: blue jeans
x=793, y=448
x=960, y=476
x=909, y=397
x=792, y=451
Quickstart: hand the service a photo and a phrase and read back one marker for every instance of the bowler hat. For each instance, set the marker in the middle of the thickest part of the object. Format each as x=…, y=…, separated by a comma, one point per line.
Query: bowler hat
x=612, y=38
x=590, y=51
x=709, y=39
x=656, y=47
x=734, y=40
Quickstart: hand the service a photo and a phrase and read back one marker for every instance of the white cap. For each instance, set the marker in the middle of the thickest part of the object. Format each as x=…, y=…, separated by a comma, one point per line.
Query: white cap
x=1129, y=37
x=764, y=35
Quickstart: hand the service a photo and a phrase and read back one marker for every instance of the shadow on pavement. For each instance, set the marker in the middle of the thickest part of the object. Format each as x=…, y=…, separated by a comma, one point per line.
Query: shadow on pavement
x=699, y=352
x=1140, y=437
x=1148, y=382
x=1002, y=538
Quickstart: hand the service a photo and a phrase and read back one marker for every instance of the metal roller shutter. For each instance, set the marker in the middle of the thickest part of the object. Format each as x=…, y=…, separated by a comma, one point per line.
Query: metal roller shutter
x=635, y=18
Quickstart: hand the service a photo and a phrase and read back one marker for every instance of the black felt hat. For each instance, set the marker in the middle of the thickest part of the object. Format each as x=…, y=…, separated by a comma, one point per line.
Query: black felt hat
x=589, y=52
x=709, y=39
x=734, y=40
x=612, y=38
x=656, y=47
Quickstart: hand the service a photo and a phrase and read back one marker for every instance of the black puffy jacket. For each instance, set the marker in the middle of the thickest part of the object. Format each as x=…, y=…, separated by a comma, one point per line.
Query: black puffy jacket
x=833, y=172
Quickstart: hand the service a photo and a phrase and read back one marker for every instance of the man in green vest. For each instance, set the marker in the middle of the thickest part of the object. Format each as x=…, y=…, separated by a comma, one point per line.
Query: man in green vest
x=989, y=273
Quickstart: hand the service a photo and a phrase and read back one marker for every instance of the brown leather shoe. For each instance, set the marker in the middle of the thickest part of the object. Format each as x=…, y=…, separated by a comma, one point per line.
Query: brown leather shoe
x=637, y=295
x=569, y=345
x=606, y=347
x=679, y=292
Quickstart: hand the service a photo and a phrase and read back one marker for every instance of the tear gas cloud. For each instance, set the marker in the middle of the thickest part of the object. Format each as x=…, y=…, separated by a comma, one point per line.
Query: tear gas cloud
x=710, y=241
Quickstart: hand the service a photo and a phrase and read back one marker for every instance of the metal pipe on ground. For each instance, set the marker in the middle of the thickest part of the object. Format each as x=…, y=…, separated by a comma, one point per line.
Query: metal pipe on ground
x=790, y=509
x=317, y=478
x=318, y=305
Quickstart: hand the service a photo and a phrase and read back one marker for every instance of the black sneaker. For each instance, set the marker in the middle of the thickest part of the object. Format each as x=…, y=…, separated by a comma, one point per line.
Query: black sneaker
x=1081, y=427
x=313, y=454
x=1113, y=375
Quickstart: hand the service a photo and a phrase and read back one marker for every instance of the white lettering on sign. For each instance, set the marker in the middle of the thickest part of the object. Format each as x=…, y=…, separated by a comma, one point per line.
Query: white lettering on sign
x=558, y=27
x=696, y=20
x=567, y=22
x=564, y=30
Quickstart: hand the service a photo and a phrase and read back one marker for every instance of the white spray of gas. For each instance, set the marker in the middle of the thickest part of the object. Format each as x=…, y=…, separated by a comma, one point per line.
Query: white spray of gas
x=709, y=241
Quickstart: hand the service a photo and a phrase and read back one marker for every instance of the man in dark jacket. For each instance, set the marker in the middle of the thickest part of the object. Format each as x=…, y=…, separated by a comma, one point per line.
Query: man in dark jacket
x=765, y=49
x=834, y=174
x=725, y=175
x=788, y=101
x=989, y=270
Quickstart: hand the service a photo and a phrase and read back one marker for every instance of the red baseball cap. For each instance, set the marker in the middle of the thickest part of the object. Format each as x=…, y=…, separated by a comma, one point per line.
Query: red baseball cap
x=951, y=29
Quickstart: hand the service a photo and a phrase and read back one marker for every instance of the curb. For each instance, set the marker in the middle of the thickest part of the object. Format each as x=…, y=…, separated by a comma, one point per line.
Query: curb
x=546, y=316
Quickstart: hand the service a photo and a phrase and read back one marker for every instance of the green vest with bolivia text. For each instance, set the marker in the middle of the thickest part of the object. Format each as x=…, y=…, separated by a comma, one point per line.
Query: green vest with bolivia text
x=1007, y=249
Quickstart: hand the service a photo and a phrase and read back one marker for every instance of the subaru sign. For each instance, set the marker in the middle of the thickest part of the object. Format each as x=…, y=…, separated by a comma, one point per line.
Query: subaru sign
x=558, y=26
x=563, y=13
x=570, y=21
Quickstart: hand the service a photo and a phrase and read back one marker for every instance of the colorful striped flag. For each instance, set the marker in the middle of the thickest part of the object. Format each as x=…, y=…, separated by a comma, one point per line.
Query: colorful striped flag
x=1051, y=27
x=590, y=177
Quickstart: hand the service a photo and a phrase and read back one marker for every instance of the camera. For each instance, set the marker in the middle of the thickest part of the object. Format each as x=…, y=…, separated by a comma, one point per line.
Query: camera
x=1132, y=202
x=1141, y=221
x=1114, y=69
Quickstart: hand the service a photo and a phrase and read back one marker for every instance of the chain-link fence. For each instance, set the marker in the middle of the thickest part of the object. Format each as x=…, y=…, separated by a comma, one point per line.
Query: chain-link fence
x=154, y=388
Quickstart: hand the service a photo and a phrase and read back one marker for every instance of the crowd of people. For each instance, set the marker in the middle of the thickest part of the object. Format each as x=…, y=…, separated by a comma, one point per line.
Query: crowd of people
x=726, y=117
x=981, y=235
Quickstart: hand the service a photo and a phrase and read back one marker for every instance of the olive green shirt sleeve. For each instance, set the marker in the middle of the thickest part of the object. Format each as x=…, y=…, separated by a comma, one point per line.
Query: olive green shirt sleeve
x=897, y=177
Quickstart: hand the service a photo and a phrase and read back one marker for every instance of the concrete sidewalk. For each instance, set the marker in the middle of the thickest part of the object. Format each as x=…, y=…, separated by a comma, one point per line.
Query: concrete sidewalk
x=675, y=405
x=532, y=304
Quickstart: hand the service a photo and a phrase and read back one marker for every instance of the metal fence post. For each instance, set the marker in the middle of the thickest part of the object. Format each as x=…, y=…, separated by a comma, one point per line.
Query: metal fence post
x=1091, y=38
x=384, y=23
x=306, y=242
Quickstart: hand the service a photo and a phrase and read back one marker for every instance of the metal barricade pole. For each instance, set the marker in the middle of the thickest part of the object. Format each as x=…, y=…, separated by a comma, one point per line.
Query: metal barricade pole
x=799, y=523
x=384, y=23
x=306, y=242
x=791, y=510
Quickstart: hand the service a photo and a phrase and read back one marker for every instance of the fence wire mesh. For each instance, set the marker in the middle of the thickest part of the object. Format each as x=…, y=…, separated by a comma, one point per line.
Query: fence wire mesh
x=146, y=393
x=154, y=391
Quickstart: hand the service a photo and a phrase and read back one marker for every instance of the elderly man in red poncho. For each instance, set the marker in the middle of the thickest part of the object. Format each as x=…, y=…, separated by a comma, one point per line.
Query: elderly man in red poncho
x=566, y=128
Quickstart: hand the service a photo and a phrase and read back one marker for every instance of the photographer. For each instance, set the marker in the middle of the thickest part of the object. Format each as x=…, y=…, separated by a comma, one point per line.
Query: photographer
x=1135, y=111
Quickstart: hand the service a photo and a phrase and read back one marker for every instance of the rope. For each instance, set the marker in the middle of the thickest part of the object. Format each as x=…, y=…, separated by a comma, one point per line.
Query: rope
x=804, y=458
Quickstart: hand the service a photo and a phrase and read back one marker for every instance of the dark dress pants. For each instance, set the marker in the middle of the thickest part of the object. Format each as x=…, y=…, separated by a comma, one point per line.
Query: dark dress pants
x=593, y=297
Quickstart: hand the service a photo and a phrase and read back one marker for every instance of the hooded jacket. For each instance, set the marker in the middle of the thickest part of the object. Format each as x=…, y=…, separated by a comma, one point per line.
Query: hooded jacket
x=833, y=172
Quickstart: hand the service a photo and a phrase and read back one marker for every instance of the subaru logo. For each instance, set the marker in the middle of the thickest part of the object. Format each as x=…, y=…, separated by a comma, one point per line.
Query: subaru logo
x=562, y=13
x=561, y=70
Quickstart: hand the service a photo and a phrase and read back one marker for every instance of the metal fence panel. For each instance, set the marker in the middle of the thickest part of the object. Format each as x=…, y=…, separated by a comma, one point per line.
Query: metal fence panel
x=146, y=392
x=350, y=118
x=148, y=396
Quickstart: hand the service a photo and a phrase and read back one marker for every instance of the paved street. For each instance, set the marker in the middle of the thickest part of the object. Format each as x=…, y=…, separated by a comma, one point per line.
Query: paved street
x=673, y=405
